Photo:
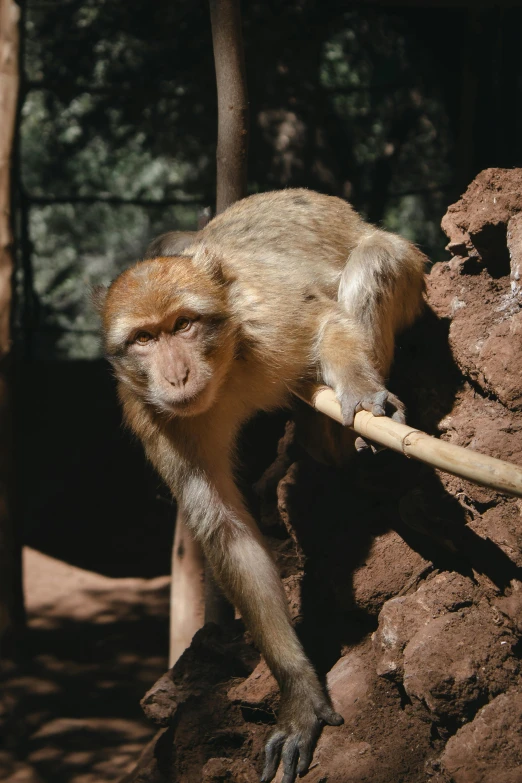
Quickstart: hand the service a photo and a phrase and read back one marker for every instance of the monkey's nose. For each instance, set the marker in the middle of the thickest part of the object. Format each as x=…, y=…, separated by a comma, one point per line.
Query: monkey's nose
x=181, y=380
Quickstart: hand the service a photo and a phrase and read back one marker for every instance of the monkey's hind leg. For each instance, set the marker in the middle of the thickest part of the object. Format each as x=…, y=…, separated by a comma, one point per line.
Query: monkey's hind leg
x=381, y=292
x=347, y=364
x=381, y=288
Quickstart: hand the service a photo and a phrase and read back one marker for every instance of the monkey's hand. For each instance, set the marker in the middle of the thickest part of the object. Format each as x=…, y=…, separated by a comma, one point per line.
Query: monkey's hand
x=301, y=718
x=375, y=399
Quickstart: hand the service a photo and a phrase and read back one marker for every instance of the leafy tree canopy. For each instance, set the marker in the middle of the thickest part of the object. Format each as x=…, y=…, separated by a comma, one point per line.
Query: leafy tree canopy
x=121, y=105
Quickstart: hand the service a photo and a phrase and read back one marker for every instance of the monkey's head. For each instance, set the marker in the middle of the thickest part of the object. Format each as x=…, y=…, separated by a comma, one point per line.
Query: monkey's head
x=168, y=333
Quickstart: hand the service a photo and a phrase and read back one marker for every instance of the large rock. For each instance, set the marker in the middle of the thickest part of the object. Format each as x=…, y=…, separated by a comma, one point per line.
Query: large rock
x=209, y=660
x=479, y=291
x=489, y=749
x=485, y=332
x=388, y=568
x=448, y=647
x=258, y=695
x=457, y=662
x=379, y=741
x=403, y=617
x=514, y=243
x=476, y=225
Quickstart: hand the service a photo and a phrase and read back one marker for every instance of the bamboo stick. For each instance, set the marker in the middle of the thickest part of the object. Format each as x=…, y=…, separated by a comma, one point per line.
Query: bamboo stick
x=466, y=463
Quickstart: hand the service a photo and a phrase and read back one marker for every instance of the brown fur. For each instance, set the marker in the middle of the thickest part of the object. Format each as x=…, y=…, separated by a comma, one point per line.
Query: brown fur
x=281, y=287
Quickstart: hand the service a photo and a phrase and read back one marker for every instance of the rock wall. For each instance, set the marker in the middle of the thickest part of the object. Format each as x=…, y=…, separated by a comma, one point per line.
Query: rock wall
x=405, y=584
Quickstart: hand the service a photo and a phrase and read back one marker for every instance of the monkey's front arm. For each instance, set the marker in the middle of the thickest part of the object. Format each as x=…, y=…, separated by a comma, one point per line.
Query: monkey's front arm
x=245, y=570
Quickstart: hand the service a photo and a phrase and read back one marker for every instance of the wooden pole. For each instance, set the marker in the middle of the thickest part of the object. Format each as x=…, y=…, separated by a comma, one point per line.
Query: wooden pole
x=232, y=141
x=11, y=598
x=195, y=597
x=231, y=174
x=470, y=465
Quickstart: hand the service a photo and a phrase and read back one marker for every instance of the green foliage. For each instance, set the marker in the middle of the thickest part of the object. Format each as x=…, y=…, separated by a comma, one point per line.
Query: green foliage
x=122, y=106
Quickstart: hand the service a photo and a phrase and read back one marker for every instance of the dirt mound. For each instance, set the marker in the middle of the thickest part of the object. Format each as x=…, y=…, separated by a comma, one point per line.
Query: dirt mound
x=404, y=583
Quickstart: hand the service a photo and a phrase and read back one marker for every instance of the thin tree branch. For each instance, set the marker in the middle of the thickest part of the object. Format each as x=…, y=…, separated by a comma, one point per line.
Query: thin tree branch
x=232, y=144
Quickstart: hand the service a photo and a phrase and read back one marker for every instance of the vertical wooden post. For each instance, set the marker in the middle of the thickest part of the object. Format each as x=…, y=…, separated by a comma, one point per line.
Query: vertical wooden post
x=11, y=599
x=232, y=142
x=231, y=173
x=196, y=598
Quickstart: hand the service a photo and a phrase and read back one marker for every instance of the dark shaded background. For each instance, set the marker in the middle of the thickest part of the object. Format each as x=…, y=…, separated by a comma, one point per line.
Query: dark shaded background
x=394, y=106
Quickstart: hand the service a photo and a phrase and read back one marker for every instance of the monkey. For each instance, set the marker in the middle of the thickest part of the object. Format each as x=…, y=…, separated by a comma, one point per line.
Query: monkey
x=172, y=243
x=212, y=327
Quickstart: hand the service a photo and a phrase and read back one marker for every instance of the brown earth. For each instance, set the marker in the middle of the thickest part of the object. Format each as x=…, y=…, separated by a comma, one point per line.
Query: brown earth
x=69, y=707
x=405, y=584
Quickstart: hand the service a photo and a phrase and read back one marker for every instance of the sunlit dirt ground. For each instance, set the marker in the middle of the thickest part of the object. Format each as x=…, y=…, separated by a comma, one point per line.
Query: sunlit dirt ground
x=69, y=708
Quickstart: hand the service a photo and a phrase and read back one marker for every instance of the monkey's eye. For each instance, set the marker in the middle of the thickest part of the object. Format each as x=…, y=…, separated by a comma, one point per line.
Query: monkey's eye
x=182, y=324
x=142, y=338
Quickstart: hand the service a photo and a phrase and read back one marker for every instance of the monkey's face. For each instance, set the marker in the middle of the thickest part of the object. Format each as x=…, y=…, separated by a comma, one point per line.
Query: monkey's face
x=168, y=335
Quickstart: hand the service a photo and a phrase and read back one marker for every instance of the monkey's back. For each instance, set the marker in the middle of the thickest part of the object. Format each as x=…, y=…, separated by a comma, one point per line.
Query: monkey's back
x=292, y=238
x=283, y=254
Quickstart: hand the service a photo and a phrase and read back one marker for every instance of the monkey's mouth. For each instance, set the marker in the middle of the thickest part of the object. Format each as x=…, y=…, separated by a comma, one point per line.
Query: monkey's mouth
x=186, y=405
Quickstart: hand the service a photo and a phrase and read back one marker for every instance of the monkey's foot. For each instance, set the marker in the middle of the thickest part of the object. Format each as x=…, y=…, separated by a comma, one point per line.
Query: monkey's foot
x=294, y=739
x=380, y=403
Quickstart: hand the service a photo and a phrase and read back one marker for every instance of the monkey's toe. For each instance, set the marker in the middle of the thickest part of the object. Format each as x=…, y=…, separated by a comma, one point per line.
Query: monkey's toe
x=379, y=403
x=396, y=409
x=330, y=716
x=292, y=743
x=294, y=749
x=272, y=755
x=361, y=444
x=374, y=403
x=352, y=403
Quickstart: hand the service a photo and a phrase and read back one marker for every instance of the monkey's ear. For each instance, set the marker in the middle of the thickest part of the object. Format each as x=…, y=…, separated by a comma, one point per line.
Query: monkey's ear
x=173, y=243
x=98, y=297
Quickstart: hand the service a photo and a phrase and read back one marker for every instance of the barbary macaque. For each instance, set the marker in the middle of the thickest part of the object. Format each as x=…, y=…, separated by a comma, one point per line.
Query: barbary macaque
x=280, y=288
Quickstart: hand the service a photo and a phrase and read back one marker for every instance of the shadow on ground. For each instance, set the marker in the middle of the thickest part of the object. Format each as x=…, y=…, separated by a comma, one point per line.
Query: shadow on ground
x=70, y=706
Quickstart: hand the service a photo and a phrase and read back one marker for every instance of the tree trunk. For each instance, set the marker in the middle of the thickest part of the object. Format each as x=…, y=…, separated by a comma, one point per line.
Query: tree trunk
x=11, y=600
x=191, y=590
x=232, y=142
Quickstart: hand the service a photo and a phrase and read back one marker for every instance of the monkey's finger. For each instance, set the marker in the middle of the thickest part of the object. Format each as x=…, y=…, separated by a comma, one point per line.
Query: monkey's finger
x=361, y=444
x=352, y=402
x=371, y=406
x=306, y=749
x=379, y=402
x=272, y=756
x=399, y=409
x=399, y=416
x=374, y=404
x=289, y=758
x=348, y=409
x=330, y=716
